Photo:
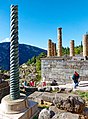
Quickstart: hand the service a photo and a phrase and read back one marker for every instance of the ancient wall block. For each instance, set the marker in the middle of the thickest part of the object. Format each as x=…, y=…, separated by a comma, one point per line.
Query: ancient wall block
x=63, y=71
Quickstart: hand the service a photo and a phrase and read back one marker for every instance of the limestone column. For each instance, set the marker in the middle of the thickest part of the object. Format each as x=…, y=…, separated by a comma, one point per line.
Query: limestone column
x=54, y=49
x=49, y=47
x=85, y=45
x=72, y=48
x=59, y=41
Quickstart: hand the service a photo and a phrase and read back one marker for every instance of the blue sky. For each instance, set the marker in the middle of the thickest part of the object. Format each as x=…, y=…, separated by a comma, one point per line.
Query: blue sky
x=39, y=20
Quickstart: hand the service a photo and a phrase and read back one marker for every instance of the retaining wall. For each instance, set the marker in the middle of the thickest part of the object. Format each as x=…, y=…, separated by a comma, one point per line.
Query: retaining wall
x=61, y=70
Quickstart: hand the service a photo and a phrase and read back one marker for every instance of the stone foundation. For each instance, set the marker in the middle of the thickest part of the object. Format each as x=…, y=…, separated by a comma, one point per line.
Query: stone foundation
x=4, y=89
x=27, y=114
x=62, y=70
x=18, y=109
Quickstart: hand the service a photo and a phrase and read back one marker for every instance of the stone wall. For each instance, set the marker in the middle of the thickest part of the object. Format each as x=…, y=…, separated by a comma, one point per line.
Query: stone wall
x=61, y=70
x=4, y=89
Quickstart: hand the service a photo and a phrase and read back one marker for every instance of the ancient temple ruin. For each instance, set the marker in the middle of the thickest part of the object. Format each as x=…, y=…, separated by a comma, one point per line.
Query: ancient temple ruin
x=61, y=68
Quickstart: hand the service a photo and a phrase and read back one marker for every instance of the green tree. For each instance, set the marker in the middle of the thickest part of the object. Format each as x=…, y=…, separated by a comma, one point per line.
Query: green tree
x=33, y=60
x=38, y=65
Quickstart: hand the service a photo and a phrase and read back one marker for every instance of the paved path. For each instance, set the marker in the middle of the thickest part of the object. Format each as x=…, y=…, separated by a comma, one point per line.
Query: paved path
x=83, y=86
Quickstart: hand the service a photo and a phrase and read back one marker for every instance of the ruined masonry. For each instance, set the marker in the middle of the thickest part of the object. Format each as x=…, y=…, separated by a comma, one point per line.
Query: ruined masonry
x=61, y=68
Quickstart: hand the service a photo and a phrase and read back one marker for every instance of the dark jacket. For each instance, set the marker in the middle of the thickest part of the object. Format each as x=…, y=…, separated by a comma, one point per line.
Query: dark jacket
x=75, y=78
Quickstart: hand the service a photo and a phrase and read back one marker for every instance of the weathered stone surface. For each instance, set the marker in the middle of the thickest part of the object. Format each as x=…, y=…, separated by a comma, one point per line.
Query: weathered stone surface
x=35, y=95
x=59, y=112
x=44, y=114
x=66, y=115
x=56, y=110
x=69, y=103
x=29, y=113
x=68, y=90
x=65, y=90
x=49, y=97
x=85, y=111
x=4, y=84
x=62, y=70
x=4, y=89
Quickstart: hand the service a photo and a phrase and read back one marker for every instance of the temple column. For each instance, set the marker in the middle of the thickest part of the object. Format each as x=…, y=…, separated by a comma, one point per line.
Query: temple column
x=49, y=47
x=85, y=46
x=59, y=41
x=54, y=49
x=72, y=48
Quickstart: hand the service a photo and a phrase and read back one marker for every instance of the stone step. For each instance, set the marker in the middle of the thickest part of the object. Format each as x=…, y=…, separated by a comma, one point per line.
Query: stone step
x=83, y=85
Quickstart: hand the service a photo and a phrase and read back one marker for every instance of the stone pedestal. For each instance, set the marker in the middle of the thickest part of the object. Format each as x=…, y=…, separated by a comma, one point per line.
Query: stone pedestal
x=17, y=109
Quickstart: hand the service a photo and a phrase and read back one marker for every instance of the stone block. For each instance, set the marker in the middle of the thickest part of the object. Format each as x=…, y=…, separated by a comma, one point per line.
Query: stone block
x=66, y=115
x=58, y=69
x=26, y=114
x=34, y=107
x=70, y=102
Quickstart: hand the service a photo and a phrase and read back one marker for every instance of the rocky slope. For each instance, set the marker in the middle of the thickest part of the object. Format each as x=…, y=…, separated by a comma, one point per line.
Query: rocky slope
x=25, y=52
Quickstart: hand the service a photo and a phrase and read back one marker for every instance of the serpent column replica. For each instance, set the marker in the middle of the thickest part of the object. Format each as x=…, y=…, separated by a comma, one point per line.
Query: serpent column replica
x=16, y=105
x=14, y=55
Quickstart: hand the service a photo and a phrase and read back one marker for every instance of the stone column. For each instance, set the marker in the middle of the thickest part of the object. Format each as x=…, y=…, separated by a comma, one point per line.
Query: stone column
x=14, y=54
x=15, y=105
x=49, y=47
x=59, y=41
x=85, y=46
x=72, y=48
x=54, y=49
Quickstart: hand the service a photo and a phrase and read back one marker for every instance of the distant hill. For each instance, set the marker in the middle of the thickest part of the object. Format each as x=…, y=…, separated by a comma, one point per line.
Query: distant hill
x=25, y=52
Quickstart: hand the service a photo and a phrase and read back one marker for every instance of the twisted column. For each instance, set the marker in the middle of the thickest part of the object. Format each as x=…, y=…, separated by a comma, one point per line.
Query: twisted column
x=72, y=48
x=59, y=41
x=14, y=54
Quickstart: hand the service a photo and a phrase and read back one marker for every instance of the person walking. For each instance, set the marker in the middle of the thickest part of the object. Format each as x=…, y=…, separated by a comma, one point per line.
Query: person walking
x=75, y=78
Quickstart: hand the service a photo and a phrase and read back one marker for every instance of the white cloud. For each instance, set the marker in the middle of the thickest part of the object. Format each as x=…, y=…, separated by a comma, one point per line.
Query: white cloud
x=5, y=40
